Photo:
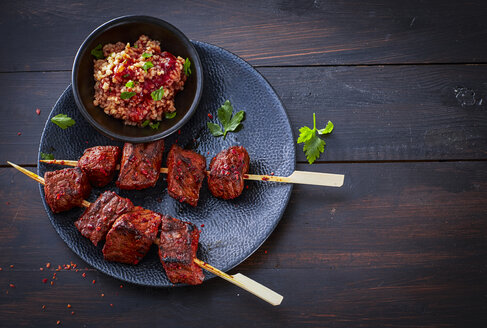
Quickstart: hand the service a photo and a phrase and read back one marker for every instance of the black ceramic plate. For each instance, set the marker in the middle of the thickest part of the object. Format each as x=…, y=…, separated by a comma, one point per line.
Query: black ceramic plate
x=233, y=229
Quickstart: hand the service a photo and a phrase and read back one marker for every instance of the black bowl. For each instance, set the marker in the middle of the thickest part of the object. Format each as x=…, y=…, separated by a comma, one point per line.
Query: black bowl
x=128, y=29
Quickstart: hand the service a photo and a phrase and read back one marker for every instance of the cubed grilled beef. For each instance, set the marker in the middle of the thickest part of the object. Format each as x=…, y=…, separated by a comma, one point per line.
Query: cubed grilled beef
x=99, y=217
x=177, y=249
x=140, y=166
x=99, y=163
x=186, y=172
x=227, y=170
x=66, y=189
x=131, y=236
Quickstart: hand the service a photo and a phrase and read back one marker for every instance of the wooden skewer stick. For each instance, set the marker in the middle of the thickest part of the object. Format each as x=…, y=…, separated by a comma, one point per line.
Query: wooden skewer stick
x=302, y=177
x=238, y=279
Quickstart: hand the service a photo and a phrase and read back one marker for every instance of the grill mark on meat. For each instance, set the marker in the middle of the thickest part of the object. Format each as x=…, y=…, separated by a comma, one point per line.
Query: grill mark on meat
x=140, y=165
x=227, y=170
x=99, y=164
x=186, y=172
x=66, y=189
x=99, y=217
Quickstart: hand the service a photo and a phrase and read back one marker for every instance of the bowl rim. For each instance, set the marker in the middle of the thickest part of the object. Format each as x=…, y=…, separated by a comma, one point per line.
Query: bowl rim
x=134, y=19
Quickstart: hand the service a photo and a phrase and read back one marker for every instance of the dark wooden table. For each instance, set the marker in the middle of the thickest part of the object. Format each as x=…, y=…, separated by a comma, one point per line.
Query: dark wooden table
x=402, y=243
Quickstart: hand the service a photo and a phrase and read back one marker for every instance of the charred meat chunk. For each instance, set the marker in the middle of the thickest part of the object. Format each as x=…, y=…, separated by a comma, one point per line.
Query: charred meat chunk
x=186, y=172
x=99, y=163
x=177, y=249
x=227, y=170
x=131, y=236
x=140, y=166
x=99, y=217
x=66, y=189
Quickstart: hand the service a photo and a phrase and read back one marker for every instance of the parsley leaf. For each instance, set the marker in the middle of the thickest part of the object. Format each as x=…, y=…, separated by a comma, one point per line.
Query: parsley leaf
x=129, y=84
x=63, y=121
x=215, y=129
x=157, y=94
x=127, y=95
x=313, y=145
x=225, y=117
x=147, y=65
x=154, y=125
x=126, y=75
x=146, y=122
x=97, y=52
x=146, y=55
x=187, y=67
x=170, y=115
x=46, y=156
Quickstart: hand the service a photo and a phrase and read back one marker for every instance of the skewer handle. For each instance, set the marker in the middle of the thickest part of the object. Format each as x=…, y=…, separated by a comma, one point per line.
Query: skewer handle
x=246, y=283
x=304, y=177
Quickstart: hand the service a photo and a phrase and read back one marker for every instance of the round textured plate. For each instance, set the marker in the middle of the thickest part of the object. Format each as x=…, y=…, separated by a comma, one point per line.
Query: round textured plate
x=230, y=230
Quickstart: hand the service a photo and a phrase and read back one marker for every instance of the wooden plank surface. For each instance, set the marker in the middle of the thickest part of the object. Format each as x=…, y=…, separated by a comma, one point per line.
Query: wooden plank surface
x=414, y=255
x=277, y=32
x=380, y=113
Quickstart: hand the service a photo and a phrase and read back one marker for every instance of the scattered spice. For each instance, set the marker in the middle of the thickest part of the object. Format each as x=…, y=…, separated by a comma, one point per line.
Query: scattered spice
x=38, y=111
x=1, y=269
x=111, y=304
x=202, y=225
x=12, y=286
x=179, y=131
x=93, y=282
x=58, y=322
x=265, y=178
x=72, y=312
x=265, y=252
x=11, y=266
x=102, y=295
x=43, y=307
x=52, y=283
x=210, y=116
x=69, y=306
x=48, y=265
x=84, y=274
x=19, y=133
x=246, y=187
x=121, y=286
x=44, y=280
x=272, y=173
x=42, y=269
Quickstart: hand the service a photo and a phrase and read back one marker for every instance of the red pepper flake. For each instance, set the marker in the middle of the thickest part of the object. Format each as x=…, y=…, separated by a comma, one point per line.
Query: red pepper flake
x=121, y=286
x=208, y=153
x=52, y=283
x=43, y=307
x=59, y=267
x=58, y=322
x=8, y=203
x=42, y=269
x=69, y=306
x=86, y=141
x=245, y=175
x=202, y=225
x=272, y=173
x=48, y=265
x=246, y=187
x=210, y=116
x=38, y=111
x=265, y=252
x=19, y=133
x=72, y=312
x=265, y=178
x=94, y=281
x=102, y=295
x=1, y=269
x=111, y=304
x=12, y=286
x=84, y=274
x=69, y=266
x=11, y=266
x=179, y=131
x=44, y=280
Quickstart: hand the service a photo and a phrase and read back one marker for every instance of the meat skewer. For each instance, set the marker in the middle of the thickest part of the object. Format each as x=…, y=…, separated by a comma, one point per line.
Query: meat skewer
x=238, y=279
x=299, y=177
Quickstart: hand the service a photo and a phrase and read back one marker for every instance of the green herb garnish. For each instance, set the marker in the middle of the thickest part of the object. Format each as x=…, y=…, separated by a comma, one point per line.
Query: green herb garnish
x=146, y=122
x=157, y=94
x=129, y=84
x=170, y=115
x=147, y=65
x=229, y=122
x=127, y=95
x=97, y=52
x=187, y=67
x=46, y=156
x=126, y=75
x=146, y=55
x=154, y=125
x=63, y=121
x=313, y=145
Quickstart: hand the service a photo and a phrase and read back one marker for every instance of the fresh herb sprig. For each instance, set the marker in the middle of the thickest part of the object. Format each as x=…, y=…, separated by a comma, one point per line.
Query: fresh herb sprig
x=97, y=52
x=187, y=67
x=47, y=156
x=127, y=95
x=63, y=121
x=157, y=94
x=147, y=65
x=313, y=145
x=229, y=122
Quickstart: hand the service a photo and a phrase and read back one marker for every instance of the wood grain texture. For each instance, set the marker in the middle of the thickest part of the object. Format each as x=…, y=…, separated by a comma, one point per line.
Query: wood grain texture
x=277, y=32
x=362, y=255
x=380, y=113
